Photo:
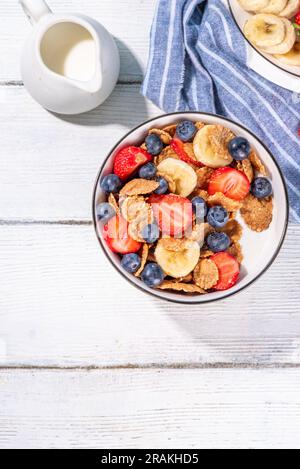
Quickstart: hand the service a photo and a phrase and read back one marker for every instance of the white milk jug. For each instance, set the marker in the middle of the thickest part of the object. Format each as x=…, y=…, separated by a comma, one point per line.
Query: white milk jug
x=70, y=63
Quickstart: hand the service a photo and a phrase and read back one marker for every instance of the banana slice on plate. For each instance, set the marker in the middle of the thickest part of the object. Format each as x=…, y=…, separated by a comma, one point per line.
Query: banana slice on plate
x=291, y=9
x=181, y=173
x=211, y=146
x=178, y=263
x=274, y=7
x=287, y=44
x=265, y=30
x=291, y=58
x=253, y=5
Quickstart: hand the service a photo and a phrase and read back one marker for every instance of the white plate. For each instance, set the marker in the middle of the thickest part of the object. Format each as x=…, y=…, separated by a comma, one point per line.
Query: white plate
x=264, y=64
x=260, y=249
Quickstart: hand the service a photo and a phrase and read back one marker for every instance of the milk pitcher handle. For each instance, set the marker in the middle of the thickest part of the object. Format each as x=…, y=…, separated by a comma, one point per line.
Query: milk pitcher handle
x=35, y=9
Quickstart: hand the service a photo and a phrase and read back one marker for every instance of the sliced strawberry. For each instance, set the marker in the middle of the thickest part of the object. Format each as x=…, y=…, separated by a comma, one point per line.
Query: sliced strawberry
x=129, y=160
x=115, y=233
x=231, y=182
x=180, y=149
x=173, y=214
x=229, y=270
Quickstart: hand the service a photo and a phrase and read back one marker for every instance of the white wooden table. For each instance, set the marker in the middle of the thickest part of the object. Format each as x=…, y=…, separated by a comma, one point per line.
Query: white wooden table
x=86, y=360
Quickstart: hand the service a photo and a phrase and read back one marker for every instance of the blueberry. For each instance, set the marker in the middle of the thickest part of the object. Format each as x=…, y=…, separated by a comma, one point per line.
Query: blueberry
x=154, y=144
x=111, y=183
x=163, y=186
x=153, y=275
x=186, y=131
x=148, y=171
x=131, y=263
x=105, y=212
x=217, y=216
x=239, y=148
x=150, y=233
x=218, y=242
x=199, y=208
x=261, y=188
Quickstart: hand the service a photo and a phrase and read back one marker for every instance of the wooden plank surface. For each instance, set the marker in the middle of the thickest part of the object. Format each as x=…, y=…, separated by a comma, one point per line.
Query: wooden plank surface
x=150, y=409
x=48, y=164
x=62, y=304
x=47, y=170
x=128, y=21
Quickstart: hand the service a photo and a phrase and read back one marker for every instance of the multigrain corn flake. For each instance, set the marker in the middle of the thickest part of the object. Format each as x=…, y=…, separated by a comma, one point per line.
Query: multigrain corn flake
x=206, y=274
x=183, y=287
x=246, y=167
x=257, y=213
x=139, y=187
x=144, y=257
x=257, y=164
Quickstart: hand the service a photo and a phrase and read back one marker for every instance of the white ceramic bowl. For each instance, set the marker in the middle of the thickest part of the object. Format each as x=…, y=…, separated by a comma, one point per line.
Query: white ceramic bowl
x=265, y=65
x=260, y=249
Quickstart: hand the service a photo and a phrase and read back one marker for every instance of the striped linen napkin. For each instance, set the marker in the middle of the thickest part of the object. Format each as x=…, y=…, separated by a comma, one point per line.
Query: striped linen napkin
x=198, y=62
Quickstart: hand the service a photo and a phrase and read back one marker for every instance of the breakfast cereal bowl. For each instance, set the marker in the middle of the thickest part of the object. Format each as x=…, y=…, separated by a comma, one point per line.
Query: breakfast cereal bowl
x=259, y=248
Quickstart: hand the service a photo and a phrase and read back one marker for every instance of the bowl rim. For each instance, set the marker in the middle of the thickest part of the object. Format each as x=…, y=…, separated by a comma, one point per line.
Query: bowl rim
x=182, y=300
x=257, y=50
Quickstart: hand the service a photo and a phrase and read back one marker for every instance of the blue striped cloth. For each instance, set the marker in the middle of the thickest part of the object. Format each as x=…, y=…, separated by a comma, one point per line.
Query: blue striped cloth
x=198, y=61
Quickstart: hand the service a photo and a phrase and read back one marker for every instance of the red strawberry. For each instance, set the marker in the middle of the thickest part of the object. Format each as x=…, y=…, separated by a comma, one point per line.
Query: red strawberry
x=229, y=270
x=297, y=19
x=178, y=147
x=231, y=182
x=115, y=233
x=173, y=214
x=129, y=160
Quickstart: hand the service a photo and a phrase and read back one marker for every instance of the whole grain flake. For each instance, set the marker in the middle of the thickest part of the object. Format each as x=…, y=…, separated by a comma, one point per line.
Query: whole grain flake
x=220, y=199
x=174, y=244
x=113, y=202
x=233, y=229
x=167, y=152
x=165, y=136
x=206, y=274
x=180, y=286
x=139, y=187
x=236, y=251
x=171, y=129
x=257, y=213
x=257, y=163
x=245, y=167
x=134, y=207
x=144, y=258
x=203, y=175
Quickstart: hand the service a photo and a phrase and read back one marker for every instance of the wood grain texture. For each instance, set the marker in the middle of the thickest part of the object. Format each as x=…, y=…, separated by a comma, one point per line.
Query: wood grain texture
x=150, y=409
x=62, y=304
x=48, y=164
x=128, y=21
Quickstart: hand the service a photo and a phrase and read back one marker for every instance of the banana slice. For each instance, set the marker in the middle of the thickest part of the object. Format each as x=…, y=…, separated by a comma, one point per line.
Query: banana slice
x=178, y=263
x=274, y=7
x=292, y=57
x=211, y=146
x=291, y=9
x=181, y=173
x=253, y=5
x=287, y=44
x=265, y=30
